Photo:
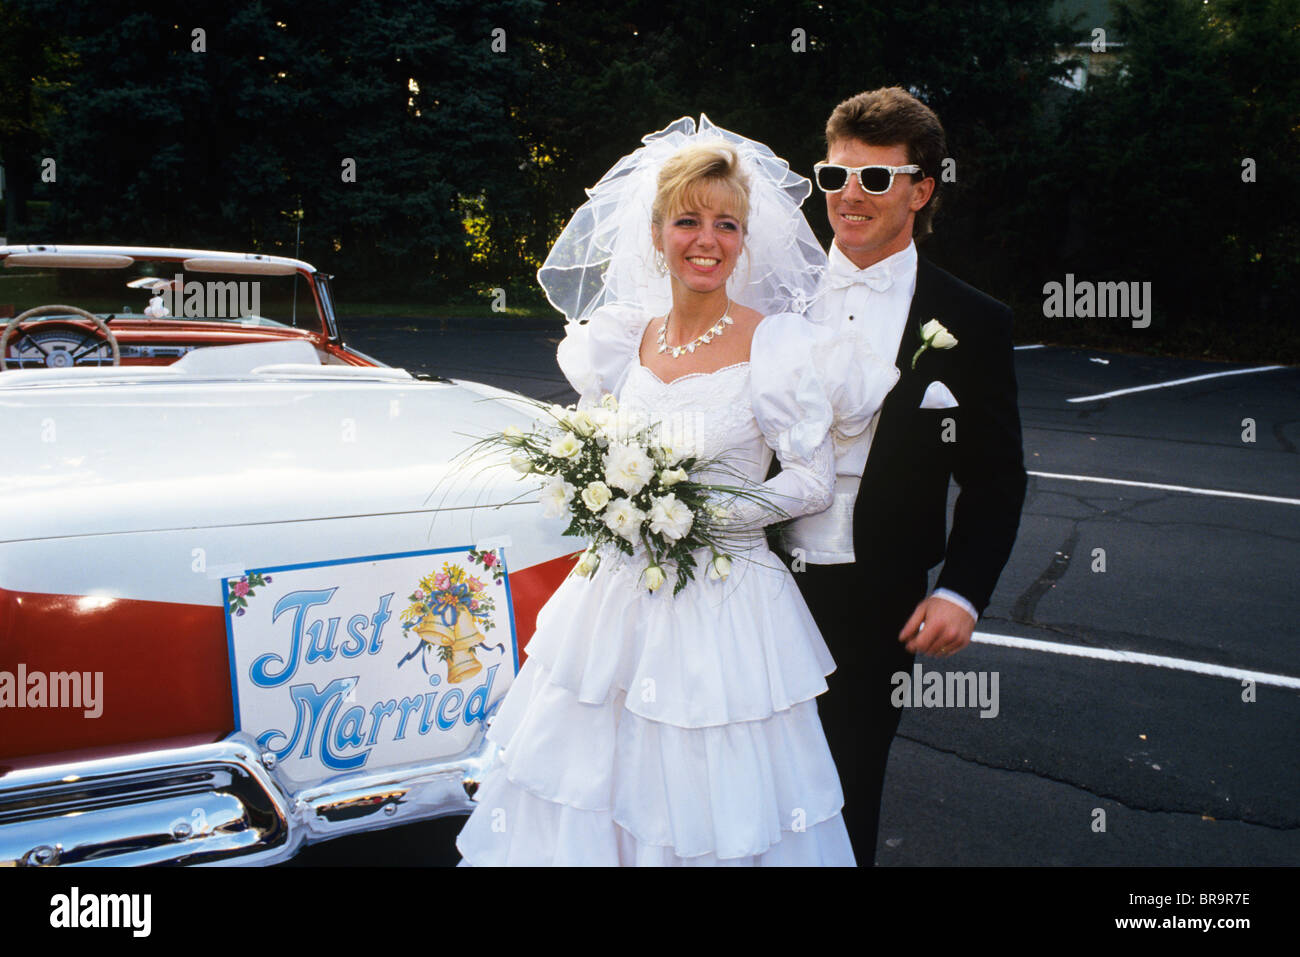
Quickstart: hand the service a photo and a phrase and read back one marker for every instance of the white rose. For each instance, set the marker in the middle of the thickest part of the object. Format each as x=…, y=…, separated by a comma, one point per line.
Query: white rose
x=587, y=564
x=934, y=333
x=676, y=438
x=596, y=496
x=559, y=413
x=608, y=402
x=627, y=467
x=653, y=577
x=556, y=496
x=624, y=519
x=566, y=446
x=720, y=567
x=624, y=424
x=521, y=463
x=513, y=435
x=583, y=424
x=603, y=420
x=670, y=518
x=673, y=476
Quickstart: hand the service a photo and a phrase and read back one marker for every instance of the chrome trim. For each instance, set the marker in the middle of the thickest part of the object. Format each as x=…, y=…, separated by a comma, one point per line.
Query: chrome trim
x=213, y=804
x=154, y=252
x=357, y=352
x=322, y=284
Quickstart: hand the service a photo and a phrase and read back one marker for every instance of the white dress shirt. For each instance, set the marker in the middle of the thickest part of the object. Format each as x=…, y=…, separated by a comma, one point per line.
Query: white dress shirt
x=872, y=303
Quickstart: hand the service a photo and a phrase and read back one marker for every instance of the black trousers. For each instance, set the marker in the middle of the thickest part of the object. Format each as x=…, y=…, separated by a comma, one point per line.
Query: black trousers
x=860, y=612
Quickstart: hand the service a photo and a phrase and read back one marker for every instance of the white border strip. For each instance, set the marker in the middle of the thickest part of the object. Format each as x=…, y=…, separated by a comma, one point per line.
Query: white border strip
x=1172, y=382
x=1139, y=658
x=1251, y=496
x=1037, y=345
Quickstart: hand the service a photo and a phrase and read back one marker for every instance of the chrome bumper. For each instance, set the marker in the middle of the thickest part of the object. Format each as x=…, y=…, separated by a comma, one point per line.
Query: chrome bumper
x=220, y=803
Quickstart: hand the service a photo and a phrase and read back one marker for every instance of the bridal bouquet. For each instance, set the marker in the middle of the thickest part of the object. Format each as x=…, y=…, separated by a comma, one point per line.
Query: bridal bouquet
x=623, y=481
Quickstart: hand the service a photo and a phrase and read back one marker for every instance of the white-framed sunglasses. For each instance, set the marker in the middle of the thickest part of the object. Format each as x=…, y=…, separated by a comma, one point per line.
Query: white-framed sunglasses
x=832, y=177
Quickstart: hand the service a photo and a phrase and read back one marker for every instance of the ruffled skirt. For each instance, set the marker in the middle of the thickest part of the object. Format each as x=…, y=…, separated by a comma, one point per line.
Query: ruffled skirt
x=650, y=730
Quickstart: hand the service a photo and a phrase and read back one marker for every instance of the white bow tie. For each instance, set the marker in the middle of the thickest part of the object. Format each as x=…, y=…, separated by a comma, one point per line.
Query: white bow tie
x=875, y=278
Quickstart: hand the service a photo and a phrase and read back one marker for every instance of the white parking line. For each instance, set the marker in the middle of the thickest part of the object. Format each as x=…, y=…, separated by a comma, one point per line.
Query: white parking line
x=1172, y=382
x=1037, y=345
x=1139, y=658
x=1252, y=496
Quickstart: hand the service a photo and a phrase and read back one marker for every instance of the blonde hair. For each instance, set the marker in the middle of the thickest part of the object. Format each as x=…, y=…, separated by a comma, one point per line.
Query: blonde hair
x=691, y=171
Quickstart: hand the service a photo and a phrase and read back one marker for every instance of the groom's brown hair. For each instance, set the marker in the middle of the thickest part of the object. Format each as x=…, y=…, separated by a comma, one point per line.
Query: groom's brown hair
x=890, y=116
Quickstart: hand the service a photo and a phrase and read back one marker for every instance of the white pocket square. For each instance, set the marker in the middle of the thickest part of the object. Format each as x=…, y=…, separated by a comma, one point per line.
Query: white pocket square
x=938, y=396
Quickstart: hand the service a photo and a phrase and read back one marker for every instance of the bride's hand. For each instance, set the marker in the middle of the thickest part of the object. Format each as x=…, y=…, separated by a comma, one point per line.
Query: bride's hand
x=937, y=627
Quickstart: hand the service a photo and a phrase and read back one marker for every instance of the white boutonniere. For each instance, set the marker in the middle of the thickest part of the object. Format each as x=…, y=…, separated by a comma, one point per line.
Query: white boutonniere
x=934, y=336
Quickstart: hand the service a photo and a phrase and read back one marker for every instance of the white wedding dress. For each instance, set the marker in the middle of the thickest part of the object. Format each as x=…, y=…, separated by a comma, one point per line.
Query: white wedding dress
x=648, y=729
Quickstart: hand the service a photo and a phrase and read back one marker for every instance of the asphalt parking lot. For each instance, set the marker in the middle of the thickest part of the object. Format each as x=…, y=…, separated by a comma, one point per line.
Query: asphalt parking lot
x=1148, y=707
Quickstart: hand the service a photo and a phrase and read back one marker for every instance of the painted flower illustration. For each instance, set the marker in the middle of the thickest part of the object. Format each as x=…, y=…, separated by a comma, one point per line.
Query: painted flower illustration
x=450, y=612
x=242, y=590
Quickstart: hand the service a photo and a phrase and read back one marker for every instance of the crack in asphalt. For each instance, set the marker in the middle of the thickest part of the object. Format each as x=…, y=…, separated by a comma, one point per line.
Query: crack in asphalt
x=1125, y=510
x=1286, y=444
x=1087, y=790
x=1130, y=520
x=1200, y=442
x=1025, y=606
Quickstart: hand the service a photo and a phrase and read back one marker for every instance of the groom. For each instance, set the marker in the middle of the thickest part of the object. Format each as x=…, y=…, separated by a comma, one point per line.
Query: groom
x=862, y=564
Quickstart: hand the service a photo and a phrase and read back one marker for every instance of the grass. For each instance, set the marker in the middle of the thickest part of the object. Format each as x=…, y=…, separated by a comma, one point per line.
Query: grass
x=436, y=310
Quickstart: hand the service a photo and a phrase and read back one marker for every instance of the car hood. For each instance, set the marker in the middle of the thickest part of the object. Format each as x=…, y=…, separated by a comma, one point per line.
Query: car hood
x=105, y=457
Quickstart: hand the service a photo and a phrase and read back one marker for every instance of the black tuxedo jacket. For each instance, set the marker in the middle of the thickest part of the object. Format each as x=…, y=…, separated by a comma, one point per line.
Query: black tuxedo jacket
x=900, y=515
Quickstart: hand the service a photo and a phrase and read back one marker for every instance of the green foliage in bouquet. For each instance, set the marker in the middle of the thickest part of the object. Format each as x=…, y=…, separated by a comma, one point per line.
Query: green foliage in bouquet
x=624, y=481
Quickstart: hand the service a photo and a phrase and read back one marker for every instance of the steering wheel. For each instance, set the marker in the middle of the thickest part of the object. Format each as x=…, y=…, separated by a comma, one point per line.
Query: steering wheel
x=99, y=325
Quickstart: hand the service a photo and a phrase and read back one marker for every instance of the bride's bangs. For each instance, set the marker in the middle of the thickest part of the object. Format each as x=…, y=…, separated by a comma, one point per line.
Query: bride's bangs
x=703, y=176
x=723, y=196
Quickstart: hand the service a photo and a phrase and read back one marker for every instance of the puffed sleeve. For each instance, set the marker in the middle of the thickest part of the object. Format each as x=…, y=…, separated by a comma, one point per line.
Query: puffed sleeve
x=794, y=412
x=595, y=356
x=806, y=381
x=856, y=379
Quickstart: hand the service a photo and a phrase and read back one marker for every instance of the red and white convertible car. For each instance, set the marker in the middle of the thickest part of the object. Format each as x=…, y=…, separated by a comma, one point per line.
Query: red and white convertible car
x=249, y=596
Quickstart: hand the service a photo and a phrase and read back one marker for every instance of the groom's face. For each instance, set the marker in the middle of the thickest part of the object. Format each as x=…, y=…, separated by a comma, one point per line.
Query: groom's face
x=868, y=226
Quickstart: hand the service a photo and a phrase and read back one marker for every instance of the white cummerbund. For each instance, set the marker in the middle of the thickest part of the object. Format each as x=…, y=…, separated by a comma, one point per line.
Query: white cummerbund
x=826, y=538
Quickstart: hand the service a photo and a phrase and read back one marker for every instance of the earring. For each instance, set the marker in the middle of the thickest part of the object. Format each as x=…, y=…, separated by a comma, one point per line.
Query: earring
x=661, y=267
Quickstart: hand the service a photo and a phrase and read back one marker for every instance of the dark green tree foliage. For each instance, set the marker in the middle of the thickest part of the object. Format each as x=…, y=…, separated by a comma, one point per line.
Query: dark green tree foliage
x=1153, y=154
x=33, y=61
x=158, y=142
x=1260, y=49
x=774, y=70
x=469, y=159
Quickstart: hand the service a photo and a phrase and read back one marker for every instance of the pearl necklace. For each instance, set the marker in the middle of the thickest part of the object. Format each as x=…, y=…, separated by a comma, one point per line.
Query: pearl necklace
x=704, y=339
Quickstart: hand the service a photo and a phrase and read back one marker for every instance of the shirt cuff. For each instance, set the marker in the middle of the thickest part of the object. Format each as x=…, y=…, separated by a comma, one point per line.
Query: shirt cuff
x=957, y=600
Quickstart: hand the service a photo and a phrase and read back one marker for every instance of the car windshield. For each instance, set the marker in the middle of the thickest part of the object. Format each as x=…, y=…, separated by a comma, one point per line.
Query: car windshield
x=126, y=294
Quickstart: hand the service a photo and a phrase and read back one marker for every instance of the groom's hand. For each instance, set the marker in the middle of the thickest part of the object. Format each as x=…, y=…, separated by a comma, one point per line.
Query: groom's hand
x=937, y=627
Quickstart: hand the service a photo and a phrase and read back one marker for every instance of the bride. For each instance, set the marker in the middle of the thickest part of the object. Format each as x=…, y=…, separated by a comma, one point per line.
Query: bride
x=648, y=729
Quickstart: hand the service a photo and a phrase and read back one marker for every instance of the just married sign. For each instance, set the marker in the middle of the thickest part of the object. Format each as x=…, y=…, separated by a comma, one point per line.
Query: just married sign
x=362, y=663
